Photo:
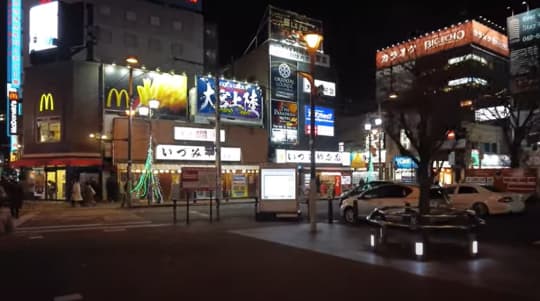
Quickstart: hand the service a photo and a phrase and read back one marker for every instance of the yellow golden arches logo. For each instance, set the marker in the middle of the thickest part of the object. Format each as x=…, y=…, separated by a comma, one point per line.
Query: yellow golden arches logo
x=46, y=102
x=118, y=95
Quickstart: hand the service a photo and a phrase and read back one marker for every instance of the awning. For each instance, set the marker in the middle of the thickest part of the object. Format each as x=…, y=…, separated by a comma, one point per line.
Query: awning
x=40, y=162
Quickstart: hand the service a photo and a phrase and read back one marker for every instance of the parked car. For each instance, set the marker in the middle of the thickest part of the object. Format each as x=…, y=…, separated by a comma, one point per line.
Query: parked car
x=359, y=189
x=394, y=194
x=484, y=199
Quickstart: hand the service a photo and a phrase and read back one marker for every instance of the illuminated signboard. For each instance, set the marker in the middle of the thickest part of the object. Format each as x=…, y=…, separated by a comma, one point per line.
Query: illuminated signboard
x=284, y=178
x=297, y=54
x=326, y=88
x=14, y=65
x=13, y=108
x=169, y=89
x=43, y=27
x=195, y=153
x=324, y=121
x=491, y=113
x=298, y=156
x=455, y=36
x=238, y=100
x=284, y=122
x=284, y=79
x=289, y=28
x=197, y=134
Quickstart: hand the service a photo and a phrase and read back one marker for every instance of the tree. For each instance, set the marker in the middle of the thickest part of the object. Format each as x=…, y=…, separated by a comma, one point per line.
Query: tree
x=517, y=115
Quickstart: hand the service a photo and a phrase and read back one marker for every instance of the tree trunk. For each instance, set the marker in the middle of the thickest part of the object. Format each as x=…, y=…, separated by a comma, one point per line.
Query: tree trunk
x=425, y=182
x=515, y=155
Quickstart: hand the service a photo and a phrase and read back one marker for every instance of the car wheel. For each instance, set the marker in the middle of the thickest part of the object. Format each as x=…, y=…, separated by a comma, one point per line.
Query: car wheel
x=481, y=209
x=350, y=216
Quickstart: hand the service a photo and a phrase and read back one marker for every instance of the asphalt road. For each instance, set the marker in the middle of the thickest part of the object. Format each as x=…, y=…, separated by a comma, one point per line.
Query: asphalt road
x=200, y=263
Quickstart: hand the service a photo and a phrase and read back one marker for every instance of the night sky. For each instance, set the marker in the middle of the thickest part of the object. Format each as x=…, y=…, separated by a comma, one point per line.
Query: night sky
x=353, y=35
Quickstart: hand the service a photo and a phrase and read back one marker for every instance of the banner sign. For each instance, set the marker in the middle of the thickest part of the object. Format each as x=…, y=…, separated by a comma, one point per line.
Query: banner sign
x=13, y=96
x=523, y=28
x=238, y=100
x=195, y=153
x=239, y=188
x=404, y=162
x=324, y=121
x=519, y=180
x=197, y=134
x=327, y=88
x=199, y=178
x=297, y=54
x=297, y=156
x=284, y=79
x=289, y=27
x=169, y=89
x=284, y=122
x=43, y=28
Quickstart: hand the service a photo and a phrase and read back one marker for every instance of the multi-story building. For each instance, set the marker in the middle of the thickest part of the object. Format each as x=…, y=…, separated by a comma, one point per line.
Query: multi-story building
x=468, y=62
x=276, y=63
x=77, y=86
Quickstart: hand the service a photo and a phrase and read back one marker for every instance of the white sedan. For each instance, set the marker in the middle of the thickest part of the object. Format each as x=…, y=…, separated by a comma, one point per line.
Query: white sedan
x=483, y=200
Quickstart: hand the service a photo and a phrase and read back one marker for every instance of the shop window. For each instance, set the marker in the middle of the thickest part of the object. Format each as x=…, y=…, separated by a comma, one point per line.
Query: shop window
x=49, y=130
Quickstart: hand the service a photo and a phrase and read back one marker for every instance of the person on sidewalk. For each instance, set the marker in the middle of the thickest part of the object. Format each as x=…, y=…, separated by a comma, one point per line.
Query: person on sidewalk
x=112, y=189
x=88, y=194
x=76, y=196
x=16, y=195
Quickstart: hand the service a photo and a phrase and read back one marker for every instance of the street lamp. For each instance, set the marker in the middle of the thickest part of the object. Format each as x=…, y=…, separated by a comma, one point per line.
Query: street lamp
x=132, y=61
x=313, y=41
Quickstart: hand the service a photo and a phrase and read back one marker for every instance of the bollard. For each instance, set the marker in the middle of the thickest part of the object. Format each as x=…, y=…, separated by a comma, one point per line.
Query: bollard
x=187, y=209
x=174, y=211
x=211, y=206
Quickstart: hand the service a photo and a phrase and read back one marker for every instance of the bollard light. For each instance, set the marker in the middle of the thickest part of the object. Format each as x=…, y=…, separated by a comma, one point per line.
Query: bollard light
x=474, y=247
x=372, y=240
x=419, y=248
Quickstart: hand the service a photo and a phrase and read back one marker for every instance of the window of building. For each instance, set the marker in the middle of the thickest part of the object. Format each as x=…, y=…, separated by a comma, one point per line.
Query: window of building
x=177, y=49
x=155, y=21
x=105, y=10
x=104, y=35
x=467, y=80
x=154, y=44
x=177, y=25
x=131, y=16
x=49, y=130
x=130, y=40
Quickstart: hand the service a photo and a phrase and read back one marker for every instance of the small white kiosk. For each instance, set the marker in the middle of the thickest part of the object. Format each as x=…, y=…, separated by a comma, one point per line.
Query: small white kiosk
x=278, y=193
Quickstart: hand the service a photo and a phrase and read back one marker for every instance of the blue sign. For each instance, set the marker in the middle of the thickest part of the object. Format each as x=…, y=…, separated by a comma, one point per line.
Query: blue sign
x=14, y=34
x=238, y=100
x=404, y=162
x=324, y=121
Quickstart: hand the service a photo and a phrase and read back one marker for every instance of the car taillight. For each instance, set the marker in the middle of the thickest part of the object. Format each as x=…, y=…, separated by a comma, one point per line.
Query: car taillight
x=505, y=200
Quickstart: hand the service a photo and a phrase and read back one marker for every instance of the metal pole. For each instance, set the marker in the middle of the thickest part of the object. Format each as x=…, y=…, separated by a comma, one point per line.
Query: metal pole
x=218, y=148
x=130, y=121
x=370, y=163
x=380, y=146
x=312, y=183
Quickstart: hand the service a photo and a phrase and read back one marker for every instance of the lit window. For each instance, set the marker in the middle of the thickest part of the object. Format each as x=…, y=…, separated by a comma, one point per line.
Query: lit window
x=467, y=80
x=468, y=57
x=49, y=130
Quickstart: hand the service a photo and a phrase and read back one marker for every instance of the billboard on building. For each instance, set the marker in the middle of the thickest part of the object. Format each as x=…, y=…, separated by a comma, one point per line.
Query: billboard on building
x=448, y=38
x=284, y=79
x=289, y=28
x=284, y=122
x=324, y=121
x=43, y=29
x=524, y=41
x=240, y=101
x=169, y=89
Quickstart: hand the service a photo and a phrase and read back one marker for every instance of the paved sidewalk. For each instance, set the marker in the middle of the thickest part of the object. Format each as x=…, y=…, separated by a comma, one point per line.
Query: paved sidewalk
x=497, y=267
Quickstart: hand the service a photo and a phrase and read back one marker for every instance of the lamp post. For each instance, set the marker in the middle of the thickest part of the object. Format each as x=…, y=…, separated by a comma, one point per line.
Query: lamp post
x=148, y=111
x=313, y=41
x=132, y=61
x=367, y=127
x=378, y=123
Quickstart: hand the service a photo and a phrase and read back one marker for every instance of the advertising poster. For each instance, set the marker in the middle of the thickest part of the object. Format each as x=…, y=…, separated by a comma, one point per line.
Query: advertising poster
x=239, y=186
x=289, y=27
x=238, y=100
x=169, y=89
x=43, y=26
x=284, y=79
x=324, y=121
x=284, y=122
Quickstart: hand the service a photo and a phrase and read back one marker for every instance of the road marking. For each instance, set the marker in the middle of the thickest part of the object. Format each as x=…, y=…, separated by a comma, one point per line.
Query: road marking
x=199, y=213
x=38, y=228
x=115, y=230
x=71, y=297
x=36, y=237
x=104, y=227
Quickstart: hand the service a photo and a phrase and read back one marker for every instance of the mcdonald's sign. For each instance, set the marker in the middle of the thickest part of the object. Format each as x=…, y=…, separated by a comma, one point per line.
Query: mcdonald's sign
x=46, y=102
x=118, y=95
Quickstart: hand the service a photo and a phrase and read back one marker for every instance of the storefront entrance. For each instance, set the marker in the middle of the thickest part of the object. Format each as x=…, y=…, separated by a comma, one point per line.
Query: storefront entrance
x=48, y=183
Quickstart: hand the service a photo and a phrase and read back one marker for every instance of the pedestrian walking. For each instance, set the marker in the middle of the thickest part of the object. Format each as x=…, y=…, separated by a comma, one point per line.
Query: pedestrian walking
x=88, y=194
x=76, y=196
x=15, y=195
x=112, y=189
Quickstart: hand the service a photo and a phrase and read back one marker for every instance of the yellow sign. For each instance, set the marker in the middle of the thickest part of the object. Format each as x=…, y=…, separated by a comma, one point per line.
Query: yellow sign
x=46, y=102
x=118, y=97
x=358, y=161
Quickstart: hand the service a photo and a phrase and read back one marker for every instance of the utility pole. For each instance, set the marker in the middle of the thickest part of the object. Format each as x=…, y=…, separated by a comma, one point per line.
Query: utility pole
x=218, y=147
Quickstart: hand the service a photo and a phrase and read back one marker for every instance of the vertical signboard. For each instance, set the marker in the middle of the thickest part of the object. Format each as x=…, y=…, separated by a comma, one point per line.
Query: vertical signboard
x=284, y=122
x=240, y=101
x=283, y=79
x=524, y=41
x=169, y=89
x=14, y=67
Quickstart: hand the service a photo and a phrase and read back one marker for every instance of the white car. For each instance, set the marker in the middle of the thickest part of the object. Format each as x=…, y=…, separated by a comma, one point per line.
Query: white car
x=484, y=200
x=384, y=196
